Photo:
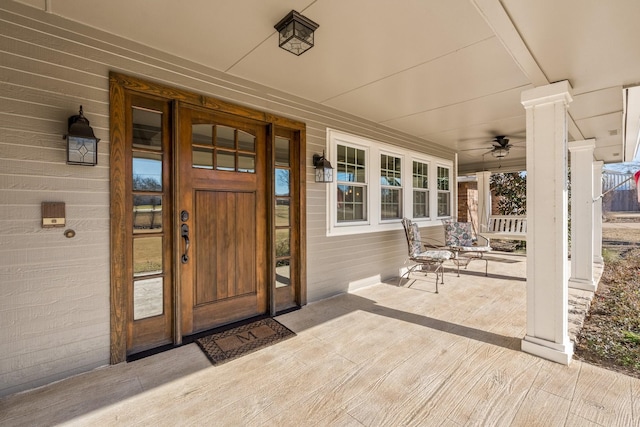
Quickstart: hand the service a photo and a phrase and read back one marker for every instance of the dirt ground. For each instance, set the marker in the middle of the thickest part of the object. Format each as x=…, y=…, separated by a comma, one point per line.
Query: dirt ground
x=610, y=336
x=621, y=229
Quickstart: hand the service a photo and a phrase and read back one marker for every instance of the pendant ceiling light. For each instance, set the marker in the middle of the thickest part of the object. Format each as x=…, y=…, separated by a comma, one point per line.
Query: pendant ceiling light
x=296, y=33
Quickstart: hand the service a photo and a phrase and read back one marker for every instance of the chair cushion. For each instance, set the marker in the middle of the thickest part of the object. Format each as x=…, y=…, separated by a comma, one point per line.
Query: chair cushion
x=458, y=233
x=415, y=246
x=434, y=255
x=471, y=248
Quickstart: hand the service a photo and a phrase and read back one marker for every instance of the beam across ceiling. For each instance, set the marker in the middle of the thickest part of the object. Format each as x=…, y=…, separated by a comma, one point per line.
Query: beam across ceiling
x=498, y=19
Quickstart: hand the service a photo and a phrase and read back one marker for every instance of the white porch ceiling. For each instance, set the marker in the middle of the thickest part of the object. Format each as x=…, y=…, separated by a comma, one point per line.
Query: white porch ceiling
x=450, y=72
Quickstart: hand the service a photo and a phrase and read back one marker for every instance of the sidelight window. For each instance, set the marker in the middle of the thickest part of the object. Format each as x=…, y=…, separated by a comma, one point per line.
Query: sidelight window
x=148, y=193
x=283, y=211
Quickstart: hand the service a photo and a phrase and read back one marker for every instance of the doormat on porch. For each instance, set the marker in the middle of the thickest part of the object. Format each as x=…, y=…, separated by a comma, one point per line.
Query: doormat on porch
x=228, y=345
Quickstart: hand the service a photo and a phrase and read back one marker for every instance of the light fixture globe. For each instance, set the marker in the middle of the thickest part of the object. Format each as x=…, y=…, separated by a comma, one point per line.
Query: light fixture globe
x=296, y=33
x=499, y=153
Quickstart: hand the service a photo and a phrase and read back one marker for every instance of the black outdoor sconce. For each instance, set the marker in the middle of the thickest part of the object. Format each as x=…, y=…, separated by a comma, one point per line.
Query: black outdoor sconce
x=82, y=144
x=324, y=170
x=296, y=33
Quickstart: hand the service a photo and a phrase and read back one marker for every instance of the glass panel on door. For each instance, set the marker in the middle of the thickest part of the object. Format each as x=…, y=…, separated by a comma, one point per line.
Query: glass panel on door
x=147, y=171
x=282, y=154
x=283, y=273
x=147, y=129
x=148, y=290
x=223, y=148
x=202, y=140
x=148, y=298
x=147, y=213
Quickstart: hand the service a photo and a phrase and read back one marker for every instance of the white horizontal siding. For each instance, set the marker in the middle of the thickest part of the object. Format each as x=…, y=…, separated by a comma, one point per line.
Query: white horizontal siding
x=54, y=293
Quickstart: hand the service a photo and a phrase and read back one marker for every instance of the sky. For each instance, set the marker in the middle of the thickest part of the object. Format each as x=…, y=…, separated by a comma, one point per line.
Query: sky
x=627, y=167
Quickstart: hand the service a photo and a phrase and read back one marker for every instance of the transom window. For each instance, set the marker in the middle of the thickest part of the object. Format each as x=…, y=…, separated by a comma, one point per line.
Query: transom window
x=371, y=178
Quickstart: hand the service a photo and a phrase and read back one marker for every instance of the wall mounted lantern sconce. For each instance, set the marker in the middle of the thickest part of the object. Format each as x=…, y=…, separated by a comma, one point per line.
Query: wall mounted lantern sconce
x=296, y=33
x=324, y=170
x=82, y=144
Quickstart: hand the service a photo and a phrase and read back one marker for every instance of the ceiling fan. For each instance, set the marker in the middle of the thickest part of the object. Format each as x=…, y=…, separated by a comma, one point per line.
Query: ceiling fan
x=500, y=147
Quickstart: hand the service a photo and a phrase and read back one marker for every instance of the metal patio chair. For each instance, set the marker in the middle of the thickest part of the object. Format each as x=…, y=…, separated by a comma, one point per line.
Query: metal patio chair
x=458, y=238
x=424, y=258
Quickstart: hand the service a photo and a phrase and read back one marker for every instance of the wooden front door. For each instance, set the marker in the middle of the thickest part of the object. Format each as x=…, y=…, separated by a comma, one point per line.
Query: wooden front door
x=207, y=214
x=222, y=218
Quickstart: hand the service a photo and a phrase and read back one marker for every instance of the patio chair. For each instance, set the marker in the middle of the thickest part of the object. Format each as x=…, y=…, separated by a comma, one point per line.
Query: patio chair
x=459, y=239
x=423, y=258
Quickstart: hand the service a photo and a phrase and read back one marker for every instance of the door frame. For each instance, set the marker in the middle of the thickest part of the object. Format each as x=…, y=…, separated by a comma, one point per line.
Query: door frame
x=119, y=85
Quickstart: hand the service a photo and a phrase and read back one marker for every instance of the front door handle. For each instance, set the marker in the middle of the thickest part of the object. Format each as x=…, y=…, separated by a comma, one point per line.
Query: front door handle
x=184, y=233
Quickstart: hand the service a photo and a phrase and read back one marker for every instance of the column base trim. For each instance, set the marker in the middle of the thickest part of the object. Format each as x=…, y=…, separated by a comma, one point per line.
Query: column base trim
x=583, y=284
x=559, y=353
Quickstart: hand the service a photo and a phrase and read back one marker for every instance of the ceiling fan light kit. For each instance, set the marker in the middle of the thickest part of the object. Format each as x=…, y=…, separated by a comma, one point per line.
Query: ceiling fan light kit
x=499, y=152
x=499, y=147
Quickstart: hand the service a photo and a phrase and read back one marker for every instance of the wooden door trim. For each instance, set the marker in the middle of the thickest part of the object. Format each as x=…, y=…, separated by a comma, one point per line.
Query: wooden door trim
x=156, y=89
x=119, y=84
x=117, y=212
x=177, y=294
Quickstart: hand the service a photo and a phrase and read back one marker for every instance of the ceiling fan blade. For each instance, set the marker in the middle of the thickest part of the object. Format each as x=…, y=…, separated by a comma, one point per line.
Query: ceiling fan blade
x=498, y=143
x=474, y=149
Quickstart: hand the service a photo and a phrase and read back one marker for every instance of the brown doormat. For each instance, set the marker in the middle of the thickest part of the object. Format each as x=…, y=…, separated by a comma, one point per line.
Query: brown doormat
x=228, y=345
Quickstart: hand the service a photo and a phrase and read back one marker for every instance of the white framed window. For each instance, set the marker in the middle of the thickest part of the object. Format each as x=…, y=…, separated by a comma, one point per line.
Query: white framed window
x=351, y=178
x=390, y=187
x=377, y=184
x=444, y=191
x=420, y=189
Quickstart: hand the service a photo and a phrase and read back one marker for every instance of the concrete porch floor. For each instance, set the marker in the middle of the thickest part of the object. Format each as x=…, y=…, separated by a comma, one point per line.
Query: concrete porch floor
x=382, y=355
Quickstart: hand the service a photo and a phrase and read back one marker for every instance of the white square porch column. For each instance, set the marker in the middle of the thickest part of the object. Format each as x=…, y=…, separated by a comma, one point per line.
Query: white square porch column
x=582, y=214
x=547, y=221
x=484, y=199
x=597, y=212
